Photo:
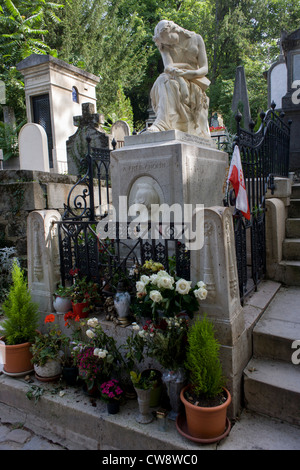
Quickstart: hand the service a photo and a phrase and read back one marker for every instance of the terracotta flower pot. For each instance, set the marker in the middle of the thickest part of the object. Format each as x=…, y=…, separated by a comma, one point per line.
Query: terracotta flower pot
x=17, y=358
x=78, y=309
x=205, y=422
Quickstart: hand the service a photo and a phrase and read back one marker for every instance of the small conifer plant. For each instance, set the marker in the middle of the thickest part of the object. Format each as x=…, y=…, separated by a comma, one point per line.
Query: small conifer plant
x=202, y=360
x=21, y=313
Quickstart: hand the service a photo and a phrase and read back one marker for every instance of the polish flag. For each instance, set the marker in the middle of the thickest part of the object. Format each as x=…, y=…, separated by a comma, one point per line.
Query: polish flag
x=236, y=177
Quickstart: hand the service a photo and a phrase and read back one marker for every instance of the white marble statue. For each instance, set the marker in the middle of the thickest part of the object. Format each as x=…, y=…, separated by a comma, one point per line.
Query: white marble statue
x=178, y=95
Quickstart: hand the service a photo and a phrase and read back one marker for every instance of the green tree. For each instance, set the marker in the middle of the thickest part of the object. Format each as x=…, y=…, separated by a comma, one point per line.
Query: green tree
x=23, y=32
x=96, y=36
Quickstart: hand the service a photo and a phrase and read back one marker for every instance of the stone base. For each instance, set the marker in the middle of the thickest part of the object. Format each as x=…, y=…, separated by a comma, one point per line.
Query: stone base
x=181, y=168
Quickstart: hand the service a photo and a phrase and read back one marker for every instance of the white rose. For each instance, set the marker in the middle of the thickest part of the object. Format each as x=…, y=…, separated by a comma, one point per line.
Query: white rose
x=183, y=286
x=96, y=351
x=200, y=293
x=165, y=282
x=90, y=333
x=153, y=279
x=135, y=326
x=140, y=287
x=102, y=353
x=93, y=322
x=156, y=296
x=145, y=279
x=201, y=284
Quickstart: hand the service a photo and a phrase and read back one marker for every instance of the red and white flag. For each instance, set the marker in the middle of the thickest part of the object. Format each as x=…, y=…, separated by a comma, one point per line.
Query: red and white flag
x=236, y=177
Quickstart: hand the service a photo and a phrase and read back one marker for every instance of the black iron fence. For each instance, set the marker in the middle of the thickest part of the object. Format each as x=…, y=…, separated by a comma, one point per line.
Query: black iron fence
x=264, y=155
x=95, y=253
x=106, y=260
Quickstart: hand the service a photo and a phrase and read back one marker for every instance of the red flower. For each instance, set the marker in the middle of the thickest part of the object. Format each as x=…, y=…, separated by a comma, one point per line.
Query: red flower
x=71, y=316
x=50, y=318
x=74, y=271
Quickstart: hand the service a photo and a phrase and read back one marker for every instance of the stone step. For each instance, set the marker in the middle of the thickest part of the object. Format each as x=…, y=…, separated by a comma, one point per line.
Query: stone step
x=291, y=249
x=77, y=422
x=294, y=208
x=288, y=273
x=292, y=228
x=272, y=388
x=295, y=191
x=278, y=327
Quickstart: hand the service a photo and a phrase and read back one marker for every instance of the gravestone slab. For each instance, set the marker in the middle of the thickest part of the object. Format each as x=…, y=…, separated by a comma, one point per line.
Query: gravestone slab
x=118, y=131
x=33, y=148
x=181, y=168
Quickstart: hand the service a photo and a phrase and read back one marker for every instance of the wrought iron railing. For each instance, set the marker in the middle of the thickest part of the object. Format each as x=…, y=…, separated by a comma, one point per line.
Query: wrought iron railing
x=264, y=155
x=106, y=260
x=93, y=252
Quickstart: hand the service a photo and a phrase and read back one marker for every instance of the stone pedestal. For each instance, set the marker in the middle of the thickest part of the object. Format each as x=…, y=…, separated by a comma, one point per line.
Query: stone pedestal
x=43, y=257
x=215, y=264
x=180, y=168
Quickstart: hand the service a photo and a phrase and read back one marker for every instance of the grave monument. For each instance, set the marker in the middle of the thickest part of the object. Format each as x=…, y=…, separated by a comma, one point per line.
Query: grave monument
x=54, y=93
x=240, y=100
x=175, y=160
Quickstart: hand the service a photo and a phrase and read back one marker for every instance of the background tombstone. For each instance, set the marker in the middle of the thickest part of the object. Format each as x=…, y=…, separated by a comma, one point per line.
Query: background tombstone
x=33, y=148
x=119, y=130
x=88, y=125
x=277, y=81
x=240, y=99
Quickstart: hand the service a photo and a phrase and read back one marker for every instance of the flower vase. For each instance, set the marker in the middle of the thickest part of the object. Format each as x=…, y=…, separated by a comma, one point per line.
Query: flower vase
x=143, y=396
x=78, y=309
x=174, y=381
x=113, y=407
x=62, y=304
x=122, y=301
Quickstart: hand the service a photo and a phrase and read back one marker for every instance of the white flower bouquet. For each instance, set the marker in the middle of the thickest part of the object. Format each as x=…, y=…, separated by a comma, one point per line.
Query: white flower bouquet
x=162, y=293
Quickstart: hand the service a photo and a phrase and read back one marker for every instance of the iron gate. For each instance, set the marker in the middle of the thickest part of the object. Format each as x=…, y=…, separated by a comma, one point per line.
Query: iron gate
x=264, y=155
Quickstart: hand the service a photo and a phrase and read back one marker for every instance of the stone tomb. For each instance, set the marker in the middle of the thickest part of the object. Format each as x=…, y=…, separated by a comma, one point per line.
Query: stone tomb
x=181, y=168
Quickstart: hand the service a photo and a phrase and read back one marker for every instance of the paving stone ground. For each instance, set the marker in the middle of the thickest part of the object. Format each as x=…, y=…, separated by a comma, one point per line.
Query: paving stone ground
x=19, y=438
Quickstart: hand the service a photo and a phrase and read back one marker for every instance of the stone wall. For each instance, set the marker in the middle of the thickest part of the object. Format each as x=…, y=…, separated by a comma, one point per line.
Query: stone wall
x=24, y=191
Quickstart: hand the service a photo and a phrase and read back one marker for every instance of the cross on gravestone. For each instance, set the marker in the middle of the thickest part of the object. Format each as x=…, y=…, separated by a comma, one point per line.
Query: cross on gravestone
x=88, y=126
x=88, y=118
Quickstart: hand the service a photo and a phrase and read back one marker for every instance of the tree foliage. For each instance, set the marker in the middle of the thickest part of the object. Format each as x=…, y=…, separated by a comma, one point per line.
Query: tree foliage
x=23, y=32
x=113, y=39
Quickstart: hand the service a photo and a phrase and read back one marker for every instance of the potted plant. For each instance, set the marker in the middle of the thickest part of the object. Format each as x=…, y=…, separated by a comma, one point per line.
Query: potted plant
x=69, y=365
x=48, y=350
x=84, y=294
x=143, y=385
x=163, y=295
x=20, y=325
x=62, y=301
x=133, y=356
x=111, y=393
x=205, y=398
x=165, y=341
x=98, y=357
